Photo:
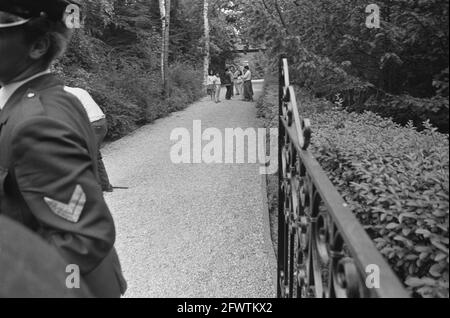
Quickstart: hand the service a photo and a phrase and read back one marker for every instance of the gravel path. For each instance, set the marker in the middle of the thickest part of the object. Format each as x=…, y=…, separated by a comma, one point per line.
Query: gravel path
x=190, y=230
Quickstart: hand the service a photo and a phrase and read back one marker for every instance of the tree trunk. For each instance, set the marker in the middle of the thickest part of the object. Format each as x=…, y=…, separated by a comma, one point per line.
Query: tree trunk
x=164, y=8
x=207, y=41
x=166, y=48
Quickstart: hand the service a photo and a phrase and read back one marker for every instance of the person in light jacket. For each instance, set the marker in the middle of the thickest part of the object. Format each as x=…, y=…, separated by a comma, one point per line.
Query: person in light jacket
x=210, y=89
x=248, y=87
x=239, y=82
x=217, y=87
x=100, y=126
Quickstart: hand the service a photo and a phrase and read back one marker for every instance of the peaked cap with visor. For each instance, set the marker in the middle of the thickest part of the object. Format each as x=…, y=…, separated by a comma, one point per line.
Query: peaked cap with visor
x=18, y=12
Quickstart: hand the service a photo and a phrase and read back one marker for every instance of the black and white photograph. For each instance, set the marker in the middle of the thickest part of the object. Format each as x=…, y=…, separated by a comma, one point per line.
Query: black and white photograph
x=226, y=155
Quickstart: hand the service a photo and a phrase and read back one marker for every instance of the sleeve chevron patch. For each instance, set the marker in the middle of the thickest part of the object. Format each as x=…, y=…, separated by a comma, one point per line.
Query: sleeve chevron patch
x=72, y=210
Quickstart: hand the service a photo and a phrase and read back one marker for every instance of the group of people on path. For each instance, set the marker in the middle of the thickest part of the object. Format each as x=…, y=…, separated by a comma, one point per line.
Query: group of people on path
x=52, y=177
x=236, y=81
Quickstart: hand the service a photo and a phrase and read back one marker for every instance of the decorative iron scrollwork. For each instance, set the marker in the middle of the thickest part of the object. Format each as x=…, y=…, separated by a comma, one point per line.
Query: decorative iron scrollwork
x=322, y=249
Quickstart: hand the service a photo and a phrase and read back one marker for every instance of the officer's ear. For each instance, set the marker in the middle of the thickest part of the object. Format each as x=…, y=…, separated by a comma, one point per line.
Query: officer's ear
x=39, y=48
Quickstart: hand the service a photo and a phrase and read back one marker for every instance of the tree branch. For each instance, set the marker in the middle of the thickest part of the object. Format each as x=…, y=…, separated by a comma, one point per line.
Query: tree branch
x=280, y=14
x=269, y=12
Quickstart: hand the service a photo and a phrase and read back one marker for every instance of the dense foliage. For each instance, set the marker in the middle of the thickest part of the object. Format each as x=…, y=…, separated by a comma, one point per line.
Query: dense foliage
x=395, y=179
x=333, y=51
x=405, y=108
x=116, y=57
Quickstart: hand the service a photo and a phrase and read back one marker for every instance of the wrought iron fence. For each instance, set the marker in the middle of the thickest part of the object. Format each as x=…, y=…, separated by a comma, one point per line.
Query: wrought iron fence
x=323, y=251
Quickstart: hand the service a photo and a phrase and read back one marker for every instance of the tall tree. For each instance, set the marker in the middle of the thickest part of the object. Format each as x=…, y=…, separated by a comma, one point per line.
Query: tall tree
x=207, y=39
x=164, y=7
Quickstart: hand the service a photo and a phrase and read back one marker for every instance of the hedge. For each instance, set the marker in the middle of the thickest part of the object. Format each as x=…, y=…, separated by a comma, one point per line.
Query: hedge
x=405, y=108
x=396, y=181
x=131, y=99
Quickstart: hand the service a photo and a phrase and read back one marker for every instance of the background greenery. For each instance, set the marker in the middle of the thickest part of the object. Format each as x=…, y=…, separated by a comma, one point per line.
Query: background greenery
x=394, y=173
x=116, y=57
x=399, y=70
x=395, y=179
x=393, y=170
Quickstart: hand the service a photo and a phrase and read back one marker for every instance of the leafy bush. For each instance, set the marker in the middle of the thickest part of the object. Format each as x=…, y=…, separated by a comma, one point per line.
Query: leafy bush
x=324, y=78
x=408, y=53
x=131, y=98
x=396, y=180
x=318, y=74
x=188, y=79
x=405, y=108
x=266, y=106
x=116, y=57
x=121, y=114
x=357, y=63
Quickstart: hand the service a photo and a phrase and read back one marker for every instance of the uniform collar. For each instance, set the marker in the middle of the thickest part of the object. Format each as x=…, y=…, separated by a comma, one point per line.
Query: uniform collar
x=8, y=90
x=32, y=85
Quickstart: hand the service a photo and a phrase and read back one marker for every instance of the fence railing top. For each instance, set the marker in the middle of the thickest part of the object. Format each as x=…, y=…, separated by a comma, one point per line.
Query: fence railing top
x=358, y=242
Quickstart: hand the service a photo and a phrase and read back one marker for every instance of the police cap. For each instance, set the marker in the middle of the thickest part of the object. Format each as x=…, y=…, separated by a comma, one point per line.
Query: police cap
x=18, y=12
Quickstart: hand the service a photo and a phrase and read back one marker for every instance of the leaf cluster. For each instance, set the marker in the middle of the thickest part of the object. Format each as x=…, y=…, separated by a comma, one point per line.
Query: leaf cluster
x=396, y=181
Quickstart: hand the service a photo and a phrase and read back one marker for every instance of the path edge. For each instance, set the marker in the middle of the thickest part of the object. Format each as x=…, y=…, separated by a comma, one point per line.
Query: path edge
x=267, y=236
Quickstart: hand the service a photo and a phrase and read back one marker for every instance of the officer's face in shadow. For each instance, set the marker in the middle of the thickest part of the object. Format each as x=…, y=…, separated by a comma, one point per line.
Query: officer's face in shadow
x=18, y=58
x=13, y=53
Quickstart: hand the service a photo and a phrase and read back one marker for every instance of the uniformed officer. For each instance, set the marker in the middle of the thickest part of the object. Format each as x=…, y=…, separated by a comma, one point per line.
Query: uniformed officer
x=48, y=164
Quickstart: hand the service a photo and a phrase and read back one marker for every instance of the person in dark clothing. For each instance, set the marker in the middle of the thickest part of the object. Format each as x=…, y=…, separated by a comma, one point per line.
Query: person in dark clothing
x=228, y=84
x=101, y=129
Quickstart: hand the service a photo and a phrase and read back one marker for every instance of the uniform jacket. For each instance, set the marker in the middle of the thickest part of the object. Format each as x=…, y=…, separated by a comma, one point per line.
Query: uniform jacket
x=49, y=180
x=24, y=274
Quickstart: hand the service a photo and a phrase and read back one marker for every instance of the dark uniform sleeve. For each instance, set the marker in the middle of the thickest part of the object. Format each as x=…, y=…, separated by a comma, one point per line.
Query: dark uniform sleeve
x=55, y=175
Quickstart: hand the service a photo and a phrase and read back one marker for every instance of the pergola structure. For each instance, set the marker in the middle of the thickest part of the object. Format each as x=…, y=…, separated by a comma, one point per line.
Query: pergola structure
x=245, y=49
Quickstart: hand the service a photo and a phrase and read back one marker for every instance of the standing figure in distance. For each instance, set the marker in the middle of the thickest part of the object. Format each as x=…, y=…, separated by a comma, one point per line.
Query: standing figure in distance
x=248, y=88
x=228, y=83
x=232, y=71
x=210, y=84
x=239, y=82
x=217, y=85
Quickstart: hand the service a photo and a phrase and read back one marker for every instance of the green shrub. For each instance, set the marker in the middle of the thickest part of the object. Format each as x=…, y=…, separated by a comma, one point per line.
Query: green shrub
x=325, y=78
x=121, y=114
x=131, y=98
x=319, y=75
x=266, y=109
x=396, y=180
x=405, y=108
x=187, y=79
